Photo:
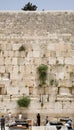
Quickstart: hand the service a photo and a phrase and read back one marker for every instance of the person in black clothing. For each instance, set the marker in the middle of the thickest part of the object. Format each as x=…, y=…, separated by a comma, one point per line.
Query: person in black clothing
x=2, y=123
x=47, y=119
x=38, y=119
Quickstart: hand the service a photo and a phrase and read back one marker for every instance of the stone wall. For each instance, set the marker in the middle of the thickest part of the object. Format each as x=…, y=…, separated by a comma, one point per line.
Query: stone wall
x=28, y=39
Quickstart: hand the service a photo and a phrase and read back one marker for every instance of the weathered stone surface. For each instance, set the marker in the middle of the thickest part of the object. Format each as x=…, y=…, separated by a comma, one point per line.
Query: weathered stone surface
x=47, y=38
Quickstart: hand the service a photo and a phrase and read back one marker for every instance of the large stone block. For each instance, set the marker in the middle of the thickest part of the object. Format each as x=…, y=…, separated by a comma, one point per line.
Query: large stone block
x=1, y=61
x=14, y=61
x=36, y=53
x=8, y=61
x=2, y=69
x=68, y=61
x=51, y=47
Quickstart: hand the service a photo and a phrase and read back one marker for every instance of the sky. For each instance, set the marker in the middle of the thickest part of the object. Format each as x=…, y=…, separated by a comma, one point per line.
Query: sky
x=41, y=4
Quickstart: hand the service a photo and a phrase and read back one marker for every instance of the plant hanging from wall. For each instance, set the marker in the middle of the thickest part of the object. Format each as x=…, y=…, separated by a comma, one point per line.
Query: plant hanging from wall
x=24, y=101
x=42, y=71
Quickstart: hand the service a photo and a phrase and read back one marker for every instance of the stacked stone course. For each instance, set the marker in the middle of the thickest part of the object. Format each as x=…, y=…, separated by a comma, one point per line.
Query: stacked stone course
x=47, y=38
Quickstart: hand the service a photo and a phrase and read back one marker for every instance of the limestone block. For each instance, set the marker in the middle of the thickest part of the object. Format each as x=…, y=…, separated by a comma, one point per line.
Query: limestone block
x=36, y=53
x=60, y=75
x=1, y=61
x=58, y=53
x=13, y=83
x=8, y=68
x=16, y=53
x=36, y=47
x=52, y=53
x=64, y=91
x=8, y=54
x=8, y=61
x=9, y=47
x=26, y=61
x=21, y=69
x=30, y=54
x=2, y=69
x=52, y=61
x=22, y=61
x=58, y=105
x=20, y=76
x=68, y=83
x=24, y=90
x=14, y=74
x=14, y=61
x=51, y=47
x=12, y=90
x=36, y=61
x=3, y=46
x=52, y=98
x=16, y=47
x=5, y=108
x=67, y=105
x=23, y=54
x=28, y=69
x=68, y=61
x=60, y=60
x=65, y=82
x=28, y=82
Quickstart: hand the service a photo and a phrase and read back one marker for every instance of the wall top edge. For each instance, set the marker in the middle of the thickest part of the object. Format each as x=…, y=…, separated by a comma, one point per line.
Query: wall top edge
x=48, y=11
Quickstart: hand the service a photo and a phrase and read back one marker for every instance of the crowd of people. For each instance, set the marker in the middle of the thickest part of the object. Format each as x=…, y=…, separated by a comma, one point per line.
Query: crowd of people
x=68, y=124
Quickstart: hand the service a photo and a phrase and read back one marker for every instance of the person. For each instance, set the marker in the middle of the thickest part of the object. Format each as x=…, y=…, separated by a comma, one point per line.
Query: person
x=69, y=122
x=2, y=123
x=20, y=116
x=9, y=115
x=46, y=119
x=38, y=119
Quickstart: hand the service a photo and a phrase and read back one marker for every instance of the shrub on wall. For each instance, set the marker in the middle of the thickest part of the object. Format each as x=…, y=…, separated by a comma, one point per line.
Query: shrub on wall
x=24, y=101
x=42, y=71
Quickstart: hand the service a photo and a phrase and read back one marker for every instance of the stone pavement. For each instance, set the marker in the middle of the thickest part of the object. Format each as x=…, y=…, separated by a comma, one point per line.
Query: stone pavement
x=43, y=128
x=7, y=128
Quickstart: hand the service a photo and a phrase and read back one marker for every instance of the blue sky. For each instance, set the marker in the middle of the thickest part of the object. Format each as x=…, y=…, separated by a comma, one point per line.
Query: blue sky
x=41, y=4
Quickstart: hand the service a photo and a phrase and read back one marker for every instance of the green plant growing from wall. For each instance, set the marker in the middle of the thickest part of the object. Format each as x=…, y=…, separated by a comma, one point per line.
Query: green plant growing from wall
x=42, y=71
x=24, y=101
